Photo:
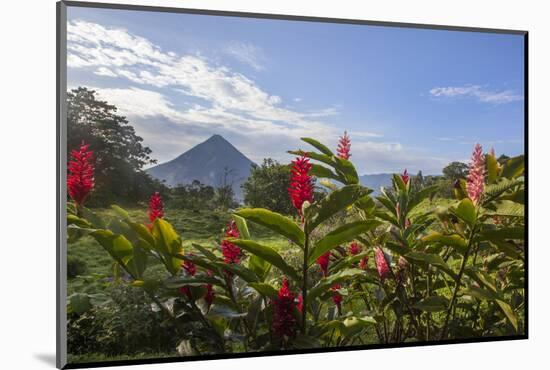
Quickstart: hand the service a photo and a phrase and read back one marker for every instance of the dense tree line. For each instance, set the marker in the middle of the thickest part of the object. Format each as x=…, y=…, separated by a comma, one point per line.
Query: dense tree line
x=119, y=153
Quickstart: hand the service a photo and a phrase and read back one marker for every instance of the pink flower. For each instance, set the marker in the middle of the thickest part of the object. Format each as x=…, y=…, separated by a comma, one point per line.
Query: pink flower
x=344, y=146
x=231, y=253
x=476, y=175
x=381, y=264
x=284, y=321
x=301, y=183
x=354, y=249
x=156, y=207
x=492, y=152
x=80, y=180
x=405, y=177
x=323, y=262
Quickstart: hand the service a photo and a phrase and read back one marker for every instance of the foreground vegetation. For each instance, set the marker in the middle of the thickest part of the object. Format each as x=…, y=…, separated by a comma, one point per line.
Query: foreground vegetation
x=346, y=269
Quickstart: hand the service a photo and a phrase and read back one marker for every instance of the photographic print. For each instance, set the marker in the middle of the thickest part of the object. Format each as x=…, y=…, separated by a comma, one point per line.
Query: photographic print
x=242, y=185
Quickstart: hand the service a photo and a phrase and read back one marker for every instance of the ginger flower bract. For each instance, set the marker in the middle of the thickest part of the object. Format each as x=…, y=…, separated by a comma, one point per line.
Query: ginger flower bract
x=80, y=179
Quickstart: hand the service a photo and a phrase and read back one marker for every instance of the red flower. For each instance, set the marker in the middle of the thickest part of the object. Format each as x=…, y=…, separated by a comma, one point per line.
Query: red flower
x=186, y=290
x=344, y=146
x=283, y=316
x=363, y=263
x=80, y=180
x=476, y=175
x=189, y=267
x=405, y=177
x=336, y=297
x=323, y=262
x=156, y=207
x=209, y=297
x=354, y=249
x=381, y=264
x=231, y=253
x=301, y=183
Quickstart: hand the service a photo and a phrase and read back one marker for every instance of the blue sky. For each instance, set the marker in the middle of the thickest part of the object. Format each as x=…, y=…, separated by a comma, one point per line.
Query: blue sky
x=409, y=98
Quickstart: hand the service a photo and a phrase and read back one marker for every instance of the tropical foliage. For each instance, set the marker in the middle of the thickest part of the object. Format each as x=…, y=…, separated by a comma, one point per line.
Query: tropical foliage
x=358, y=267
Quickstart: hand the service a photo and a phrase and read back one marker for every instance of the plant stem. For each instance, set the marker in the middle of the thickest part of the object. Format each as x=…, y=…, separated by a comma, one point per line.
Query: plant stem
x=304, y=279
x=457, y=284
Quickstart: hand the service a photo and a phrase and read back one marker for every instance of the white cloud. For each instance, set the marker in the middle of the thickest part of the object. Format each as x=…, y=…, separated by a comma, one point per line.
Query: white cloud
x=246, y=53
x=224, y=102
x=104, y=71
x=477, y=92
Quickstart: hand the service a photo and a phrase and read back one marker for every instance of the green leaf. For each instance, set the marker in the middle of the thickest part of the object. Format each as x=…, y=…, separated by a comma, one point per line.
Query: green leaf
x=275, y=222
x=432, y=304
x=80, y=222
x=260, y=266
x=418, y=197
x=492, y=168
x=466, y=211
x=483, y=294
x=265, y=289
x=505, y=233
x=120, y=211
x=341, y=235
x=398, y=182
x=267, y=253
x=179, y=281
x=431, y=259
x=353, y=325
x=507, y=248
x=336, y=201
x=205, y=252
x=326, y=283
x=321, y=147
x=453, y=240
x=239, y=270
x=168, y=242
x=494, y=191
x=115, y=244
x=323, y=172
x=143, y=233
x=509, y=313
x=347, y=169
x=226, y=312
x=242, y=226
x=514, y=167
x=507, y=208
x=316, y=156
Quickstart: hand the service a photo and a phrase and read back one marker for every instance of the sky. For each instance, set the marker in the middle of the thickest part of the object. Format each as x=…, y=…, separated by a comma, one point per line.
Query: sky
x=409, y=98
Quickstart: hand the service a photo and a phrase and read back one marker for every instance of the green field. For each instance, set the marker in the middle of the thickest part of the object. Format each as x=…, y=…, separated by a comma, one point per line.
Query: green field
x=204, y=227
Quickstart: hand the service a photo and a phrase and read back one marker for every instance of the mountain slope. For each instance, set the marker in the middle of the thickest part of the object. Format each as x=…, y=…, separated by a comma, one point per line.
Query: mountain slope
x=208, y=162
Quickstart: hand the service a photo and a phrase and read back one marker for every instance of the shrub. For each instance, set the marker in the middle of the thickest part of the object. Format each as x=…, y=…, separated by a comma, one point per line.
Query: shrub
x=125, y=324
x=75, y=267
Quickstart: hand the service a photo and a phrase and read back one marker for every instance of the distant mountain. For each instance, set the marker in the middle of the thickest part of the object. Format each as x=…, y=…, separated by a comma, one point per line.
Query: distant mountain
x=207, y=162
x=375, y=182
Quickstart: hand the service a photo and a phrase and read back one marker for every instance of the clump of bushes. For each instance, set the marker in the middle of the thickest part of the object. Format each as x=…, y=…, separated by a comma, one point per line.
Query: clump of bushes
x=125, y=324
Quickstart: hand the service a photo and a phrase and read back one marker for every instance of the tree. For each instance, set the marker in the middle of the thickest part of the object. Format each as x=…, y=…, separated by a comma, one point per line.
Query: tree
x=455, y=171
x=267, y=185
x=118, y=150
